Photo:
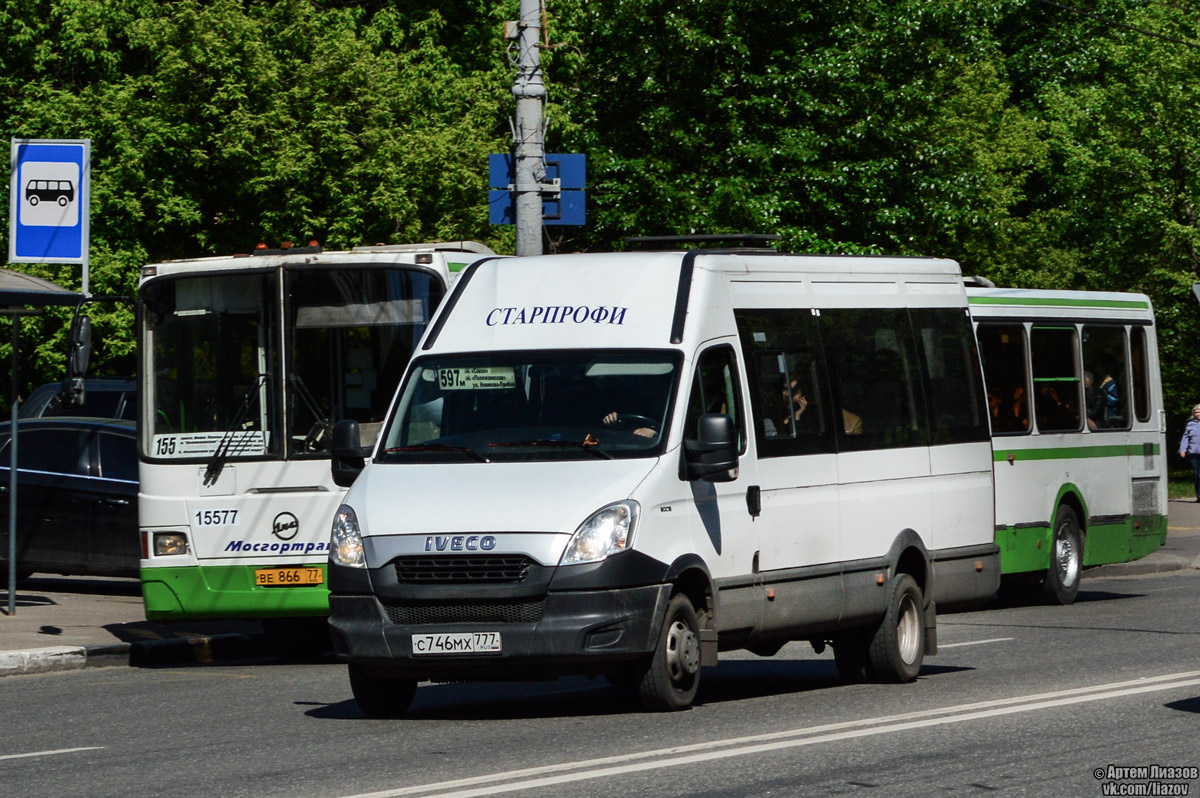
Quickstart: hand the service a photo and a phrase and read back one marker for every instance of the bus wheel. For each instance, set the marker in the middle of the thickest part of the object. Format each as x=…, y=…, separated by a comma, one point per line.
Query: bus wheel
x=672, y=675
x=898, y=648
x=381, y=697
x=1066, y=559
x=33, y=200
x=851, y=656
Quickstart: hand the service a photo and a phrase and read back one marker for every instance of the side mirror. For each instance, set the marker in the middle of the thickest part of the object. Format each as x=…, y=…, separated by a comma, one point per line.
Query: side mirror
x=713, y=454
x=346, y=461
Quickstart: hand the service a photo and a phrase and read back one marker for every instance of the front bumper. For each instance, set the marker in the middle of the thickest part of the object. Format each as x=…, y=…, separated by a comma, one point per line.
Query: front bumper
x=576, y=632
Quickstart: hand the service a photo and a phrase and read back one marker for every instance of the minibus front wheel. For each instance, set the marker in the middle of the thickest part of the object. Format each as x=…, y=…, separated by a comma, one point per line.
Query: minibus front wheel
x=381, y=696
x=672, y=675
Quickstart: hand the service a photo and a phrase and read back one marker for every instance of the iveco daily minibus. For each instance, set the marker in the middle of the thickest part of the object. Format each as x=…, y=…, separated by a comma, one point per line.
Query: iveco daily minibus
x=622, y=464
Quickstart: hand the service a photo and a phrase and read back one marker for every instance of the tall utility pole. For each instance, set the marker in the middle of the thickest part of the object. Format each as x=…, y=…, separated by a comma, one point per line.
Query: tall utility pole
x=530, y=165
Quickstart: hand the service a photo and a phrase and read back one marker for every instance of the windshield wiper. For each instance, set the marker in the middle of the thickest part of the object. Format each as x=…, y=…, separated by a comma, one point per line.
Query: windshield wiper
x=217, y=463
x=588, y=444
x=437, y=447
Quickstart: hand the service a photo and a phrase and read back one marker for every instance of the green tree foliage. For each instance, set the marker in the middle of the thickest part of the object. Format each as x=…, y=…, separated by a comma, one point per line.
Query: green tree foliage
x=1041, y=144
x=216, y=125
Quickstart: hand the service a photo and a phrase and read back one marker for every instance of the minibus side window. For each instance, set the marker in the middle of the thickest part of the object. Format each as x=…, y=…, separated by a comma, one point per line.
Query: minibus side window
x=950, y=363
x=876, y=378
x=1105, y=386
x=789, y=392
x=1004, y=353
x=715, y=389
x=1141, y=380
x=1056, y=382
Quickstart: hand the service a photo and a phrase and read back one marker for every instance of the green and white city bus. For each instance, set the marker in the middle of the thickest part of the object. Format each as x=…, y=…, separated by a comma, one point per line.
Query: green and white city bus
x=1077, y=431
x=246, y=363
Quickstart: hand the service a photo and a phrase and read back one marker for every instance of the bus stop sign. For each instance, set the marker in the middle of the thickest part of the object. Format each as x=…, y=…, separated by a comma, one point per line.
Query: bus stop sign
x=49, y=201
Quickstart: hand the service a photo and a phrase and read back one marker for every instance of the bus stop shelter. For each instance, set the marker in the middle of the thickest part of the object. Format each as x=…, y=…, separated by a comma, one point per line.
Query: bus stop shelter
x=22, y=295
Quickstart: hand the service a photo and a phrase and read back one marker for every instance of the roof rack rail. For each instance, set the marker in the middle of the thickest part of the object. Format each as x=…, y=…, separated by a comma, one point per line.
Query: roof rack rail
x=975, y=281
x=751, y=240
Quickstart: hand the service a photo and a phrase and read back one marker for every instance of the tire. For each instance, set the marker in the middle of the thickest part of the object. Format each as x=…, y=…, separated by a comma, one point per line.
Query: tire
x=32, y=201
x=1066, y=559
x=897, y=649
x=850, y=654
x=671, y=678
x=381, y=697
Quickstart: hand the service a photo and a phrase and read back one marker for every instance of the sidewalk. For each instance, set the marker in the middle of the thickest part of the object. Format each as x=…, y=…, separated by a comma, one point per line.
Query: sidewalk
x=65, y=623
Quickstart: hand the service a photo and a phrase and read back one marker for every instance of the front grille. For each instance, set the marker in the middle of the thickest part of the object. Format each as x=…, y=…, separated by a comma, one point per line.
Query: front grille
x=471, y=569
x=410, y=614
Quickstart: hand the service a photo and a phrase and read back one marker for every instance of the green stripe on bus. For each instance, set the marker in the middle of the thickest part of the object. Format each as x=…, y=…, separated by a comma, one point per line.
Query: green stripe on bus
x=1074, y=452
x=1049, y=301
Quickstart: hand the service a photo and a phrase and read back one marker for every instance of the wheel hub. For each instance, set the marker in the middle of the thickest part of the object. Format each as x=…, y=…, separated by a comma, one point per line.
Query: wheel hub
x=683, y=651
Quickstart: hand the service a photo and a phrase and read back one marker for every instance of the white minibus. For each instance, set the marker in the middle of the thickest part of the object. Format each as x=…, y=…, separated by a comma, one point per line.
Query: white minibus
x=621, y=464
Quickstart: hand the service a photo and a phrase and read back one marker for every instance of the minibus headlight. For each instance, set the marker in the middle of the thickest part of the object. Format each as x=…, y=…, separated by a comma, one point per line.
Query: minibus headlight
x=608, y=531
x=345, y=543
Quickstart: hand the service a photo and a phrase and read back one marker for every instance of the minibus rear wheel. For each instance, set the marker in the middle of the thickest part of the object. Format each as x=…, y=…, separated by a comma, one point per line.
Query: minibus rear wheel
x=898, y=649
x=672, y=675
x=379, y=696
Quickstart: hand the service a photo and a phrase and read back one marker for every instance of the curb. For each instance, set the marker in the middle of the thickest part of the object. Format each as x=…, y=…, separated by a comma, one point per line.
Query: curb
x=150, y=653
x=1162, y=564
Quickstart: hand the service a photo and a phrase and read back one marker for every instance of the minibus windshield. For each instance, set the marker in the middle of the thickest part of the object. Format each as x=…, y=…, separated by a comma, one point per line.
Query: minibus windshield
x=533, y=406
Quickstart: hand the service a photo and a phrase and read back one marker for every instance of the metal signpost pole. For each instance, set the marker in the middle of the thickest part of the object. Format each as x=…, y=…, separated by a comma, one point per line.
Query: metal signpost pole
x=12, y=474
x=530, y=93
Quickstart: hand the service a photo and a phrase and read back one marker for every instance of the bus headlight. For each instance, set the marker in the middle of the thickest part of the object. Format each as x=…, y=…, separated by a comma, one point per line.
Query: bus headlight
x=170, y=544
x=345, y=543
x=608, y=531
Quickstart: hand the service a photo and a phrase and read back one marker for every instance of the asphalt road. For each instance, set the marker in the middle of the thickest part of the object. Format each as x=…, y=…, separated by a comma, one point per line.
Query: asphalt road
x=1020, y=700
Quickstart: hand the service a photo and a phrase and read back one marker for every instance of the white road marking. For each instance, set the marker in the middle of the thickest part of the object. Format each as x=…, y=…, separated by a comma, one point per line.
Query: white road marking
x=774, y=741
x=975, y=642
x=51, y=753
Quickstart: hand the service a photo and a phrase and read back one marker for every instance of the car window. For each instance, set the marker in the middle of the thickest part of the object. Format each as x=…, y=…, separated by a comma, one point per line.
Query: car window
x=118, y=457
x=61, y=451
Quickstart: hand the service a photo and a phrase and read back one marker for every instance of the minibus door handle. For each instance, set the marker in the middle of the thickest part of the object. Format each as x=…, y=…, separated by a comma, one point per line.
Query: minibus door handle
x=754, y=500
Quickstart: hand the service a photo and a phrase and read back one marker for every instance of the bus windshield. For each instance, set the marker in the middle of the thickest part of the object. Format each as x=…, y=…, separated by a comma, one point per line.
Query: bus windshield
x=209, y=352
x=533, y=406
x=244, y=366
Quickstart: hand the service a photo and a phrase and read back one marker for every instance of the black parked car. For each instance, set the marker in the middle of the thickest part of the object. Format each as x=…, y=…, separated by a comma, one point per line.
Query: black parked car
x=103, y=397
x=77, y=496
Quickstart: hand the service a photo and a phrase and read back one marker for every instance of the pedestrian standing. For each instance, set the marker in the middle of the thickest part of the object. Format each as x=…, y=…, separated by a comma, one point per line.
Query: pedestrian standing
x=1189, y=446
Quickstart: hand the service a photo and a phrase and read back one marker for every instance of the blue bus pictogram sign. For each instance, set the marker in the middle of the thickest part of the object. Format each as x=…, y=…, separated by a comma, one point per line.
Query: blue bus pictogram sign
x=49, y=201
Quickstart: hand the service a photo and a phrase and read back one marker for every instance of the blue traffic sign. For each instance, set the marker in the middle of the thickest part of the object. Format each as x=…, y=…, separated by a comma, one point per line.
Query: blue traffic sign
x=49, y=201
x=564, y=207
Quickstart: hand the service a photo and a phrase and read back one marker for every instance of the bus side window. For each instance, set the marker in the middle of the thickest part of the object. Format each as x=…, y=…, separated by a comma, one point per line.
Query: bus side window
x=789, y=389
x=1056, y=380
x=950, y=364
x=876, y=378
x=1002, y=347
x=1105, y=385
x=1141, y=380
x=715, y=389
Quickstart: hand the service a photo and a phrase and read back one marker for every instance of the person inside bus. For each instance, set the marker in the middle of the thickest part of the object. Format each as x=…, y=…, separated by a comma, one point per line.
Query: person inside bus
x=1011, y=415
x=1103, y=401
x=799, y=422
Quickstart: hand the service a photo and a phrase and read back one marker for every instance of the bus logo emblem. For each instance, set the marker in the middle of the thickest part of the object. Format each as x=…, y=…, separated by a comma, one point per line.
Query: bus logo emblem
x=285, y=526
